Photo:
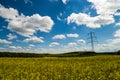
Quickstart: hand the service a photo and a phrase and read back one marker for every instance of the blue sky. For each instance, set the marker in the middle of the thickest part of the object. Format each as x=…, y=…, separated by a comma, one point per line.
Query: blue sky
x=56, y=26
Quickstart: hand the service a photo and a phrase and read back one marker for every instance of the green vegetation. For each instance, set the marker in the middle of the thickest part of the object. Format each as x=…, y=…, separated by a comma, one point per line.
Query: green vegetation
x=99, y=67
x=70, y=54
x=118, y=52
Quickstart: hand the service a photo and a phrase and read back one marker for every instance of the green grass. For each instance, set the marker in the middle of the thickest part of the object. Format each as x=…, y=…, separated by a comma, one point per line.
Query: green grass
x=100, y=67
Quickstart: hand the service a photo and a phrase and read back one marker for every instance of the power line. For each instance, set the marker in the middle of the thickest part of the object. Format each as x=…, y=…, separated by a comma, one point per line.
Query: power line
x=92, y=39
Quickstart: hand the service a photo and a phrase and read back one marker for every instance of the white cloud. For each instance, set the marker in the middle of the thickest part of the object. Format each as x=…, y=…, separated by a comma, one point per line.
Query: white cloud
x=60, y=50
x=117, y=33
x=106, y=7
x=28, y=1
x=54, y=44
x=28, y=25
x=72, y=44
x=104, y=45
x=111, y=45
x=118, y=24
x=61, y=36
x=73, y=35
x=115, y=41
x=58, y=18
x=33, y=39
x=8, y=13
x=16, y=49
x=2, y=49
x=64, y=1
x=12, y=47
x=92, y=22
x=81, y=41
x=11, y=36
x=31, y=45
x=117, y=14
x=25, y=25
x=3, y=41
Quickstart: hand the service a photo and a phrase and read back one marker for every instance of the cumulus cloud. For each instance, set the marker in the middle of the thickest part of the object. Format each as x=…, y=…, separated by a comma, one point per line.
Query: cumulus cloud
x=33, y=39
x=8, y=13
x=11, y=36
x=25, y=25
x=117, y=33
x=92, y=22
x=81, y=41
x=117, y=14
x=61, y=36
x=54, y=44
x=73, y=35
x=105, y=9
x=3, y=41
x=28, y=25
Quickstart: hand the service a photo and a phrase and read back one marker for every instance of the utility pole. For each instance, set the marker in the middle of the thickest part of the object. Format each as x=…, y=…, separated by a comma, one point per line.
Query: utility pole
x=93, y=39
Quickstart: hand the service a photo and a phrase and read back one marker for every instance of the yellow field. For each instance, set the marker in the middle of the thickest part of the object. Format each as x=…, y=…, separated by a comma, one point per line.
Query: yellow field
x=104, y=67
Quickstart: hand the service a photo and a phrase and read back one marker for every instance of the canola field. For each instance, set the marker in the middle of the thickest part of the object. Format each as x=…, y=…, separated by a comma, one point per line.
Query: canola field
x=101, y=67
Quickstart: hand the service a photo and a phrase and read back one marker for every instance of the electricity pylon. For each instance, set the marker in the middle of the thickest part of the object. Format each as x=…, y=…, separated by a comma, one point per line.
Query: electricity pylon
x=92, y=39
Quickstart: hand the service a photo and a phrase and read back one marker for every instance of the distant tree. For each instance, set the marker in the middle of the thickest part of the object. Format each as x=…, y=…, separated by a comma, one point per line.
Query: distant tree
x=118, y=52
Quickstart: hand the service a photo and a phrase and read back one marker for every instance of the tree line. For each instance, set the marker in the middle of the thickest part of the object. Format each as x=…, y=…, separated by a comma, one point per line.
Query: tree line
x=70, y=54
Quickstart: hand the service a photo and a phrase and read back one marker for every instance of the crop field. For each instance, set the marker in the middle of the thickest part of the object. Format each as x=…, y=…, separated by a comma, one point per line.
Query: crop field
x=100, y=67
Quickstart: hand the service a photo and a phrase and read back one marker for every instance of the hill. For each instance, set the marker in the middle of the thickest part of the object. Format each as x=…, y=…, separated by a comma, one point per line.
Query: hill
x=69, y=54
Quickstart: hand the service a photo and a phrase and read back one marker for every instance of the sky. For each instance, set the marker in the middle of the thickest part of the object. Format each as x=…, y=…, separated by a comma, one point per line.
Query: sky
x=58, y=26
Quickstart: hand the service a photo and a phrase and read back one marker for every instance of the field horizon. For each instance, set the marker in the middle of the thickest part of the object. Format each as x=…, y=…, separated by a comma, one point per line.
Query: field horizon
x=67, y=54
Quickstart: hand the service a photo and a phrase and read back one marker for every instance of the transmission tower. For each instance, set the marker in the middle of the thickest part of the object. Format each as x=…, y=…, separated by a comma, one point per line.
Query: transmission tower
x=92, y=39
